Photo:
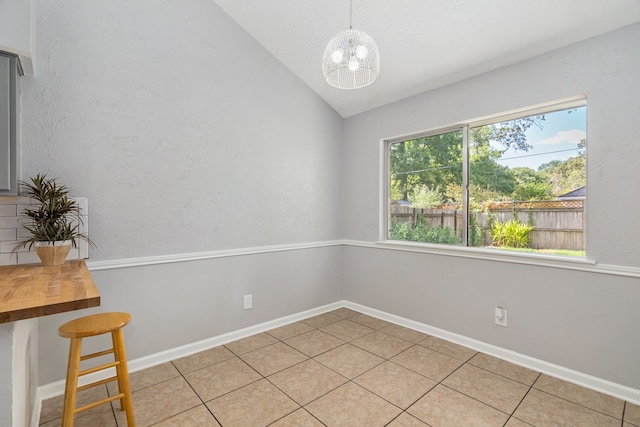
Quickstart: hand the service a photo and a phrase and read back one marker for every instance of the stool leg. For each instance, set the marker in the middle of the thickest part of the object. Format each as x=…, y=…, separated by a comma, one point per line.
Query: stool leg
x=70, y=390
x=126, y=403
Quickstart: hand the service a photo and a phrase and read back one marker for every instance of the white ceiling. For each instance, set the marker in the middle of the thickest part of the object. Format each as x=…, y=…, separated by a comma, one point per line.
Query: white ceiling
x=424, y=44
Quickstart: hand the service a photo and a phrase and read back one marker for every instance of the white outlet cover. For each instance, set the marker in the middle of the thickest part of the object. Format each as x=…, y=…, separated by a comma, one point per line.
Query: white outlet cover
x=501, y=316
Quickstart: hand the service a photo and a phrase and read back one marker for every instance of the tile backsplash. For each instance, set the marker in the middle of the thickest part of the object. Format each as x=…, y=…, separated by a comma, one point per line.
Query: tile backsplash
x=12, y=231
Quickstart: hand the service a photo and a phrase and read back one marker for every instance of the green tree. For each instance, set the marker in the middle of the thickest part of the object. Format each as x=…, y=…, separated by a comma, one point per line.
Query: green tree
x=433, y=161
x=533, y=191
x=531, y=185
x=423, y=197
x=436, y=162
x=568, y=175
x=524, y=175
x=477, y=196
x=489, y=178
x=513, y=133
x=549, y=166
x=572, y=174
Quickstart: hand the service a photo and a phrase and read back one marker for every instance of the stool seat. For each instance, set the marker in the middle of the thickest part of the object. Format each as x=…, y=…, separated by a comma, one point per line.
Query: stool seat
x=96, y=324
x=86, y=327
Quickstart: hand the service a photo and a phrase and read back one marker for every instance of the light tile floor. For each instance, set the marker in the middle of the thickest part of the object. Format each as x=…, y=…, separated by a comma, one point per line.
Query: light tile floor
x=345, y=368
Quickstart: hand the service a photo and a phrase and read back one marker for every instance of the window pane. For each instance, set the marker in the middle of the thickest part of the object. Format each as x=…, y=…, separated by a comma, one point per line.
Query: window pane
x=425, y=178
x=527, y=183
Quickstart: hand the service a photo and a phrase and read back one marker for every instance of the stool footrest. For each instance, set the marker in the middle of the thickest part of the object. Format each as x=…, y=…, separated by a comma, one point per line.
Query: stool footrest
x=98, y=354
x=99, y=402
x=97, y=383
x=99, y=368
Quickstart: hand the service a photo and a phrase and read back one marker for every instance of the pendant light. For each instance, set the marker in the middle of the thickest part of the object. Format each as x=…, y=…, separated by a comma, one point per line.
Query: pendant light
x=351, y=59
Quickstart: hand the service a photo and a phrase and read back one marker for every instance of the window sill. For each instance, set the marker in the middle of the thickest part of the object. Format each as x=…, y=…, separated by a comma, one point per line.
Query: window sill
x=550, y=261
x=486, y=254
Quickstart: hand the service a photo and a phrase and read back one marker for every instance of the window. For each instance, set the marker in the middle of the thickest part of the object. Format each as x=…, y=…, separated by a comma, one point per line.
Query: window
x=515, y=182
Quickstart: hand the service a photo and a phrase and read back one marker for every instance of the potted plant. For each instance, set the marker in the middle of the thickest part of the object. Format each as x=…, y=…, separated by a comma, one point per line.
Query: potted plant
x=53, y=222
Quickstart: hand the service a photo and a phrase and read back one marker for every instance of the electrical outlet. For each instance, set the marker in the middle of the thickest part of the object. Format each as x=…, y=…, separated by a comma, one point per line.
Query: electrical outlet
x=248, y=301
x=501, y=316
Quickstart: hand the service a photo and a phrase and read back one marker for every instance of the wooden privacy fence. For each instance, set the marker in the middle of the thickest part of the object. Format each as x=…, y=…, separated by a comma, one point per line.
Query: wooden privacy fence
x=558, y=224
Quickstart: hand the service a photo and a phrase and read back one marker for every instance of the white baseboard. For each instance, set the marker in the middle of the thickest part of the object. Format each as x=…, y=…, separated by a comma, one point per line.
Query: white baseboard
x=607, y=387
x=56, y=388
x=629, y=394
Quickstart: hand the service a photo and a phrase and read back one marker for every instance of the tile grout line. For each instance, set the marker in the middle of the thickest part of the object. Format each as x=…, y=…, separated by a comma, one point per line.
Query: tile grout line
x=512, y=415
x=113, y=409
x=153, y=385
x=467, y=361
x=576, y=403
x=349, y=380
x=420, y=343
x=501, y=375
x=197, y=395
x=432, y=388
x=387, y=359
x=624, y=402
x=460, y=392
x=300, y=407
x=239, y=356
x=441, y=382
x=310, y=358
x=269, y=381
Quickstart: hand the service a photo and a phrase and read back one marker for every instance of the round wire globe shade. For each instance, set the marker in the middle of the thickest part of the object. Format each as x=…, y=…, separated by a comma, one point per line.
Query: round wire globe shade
x=351, y=60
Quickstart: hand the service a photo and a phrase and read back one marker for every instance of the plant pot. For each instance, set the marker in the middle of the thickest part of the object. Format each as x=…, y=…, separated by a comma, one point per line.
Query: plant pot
x=53, y=253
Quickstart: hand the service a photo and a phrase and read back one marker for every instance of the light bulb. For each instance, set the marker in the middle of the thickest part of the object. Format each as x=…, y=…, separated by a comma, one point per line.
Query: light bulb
x=337, y=56
x=362, y=52
x=353, y=64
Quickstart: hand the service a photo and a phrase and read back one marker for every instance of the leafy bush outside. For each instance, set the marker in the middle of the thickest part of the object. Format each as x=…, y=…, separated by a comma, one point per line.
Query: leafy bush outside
x=476, y=233
x=511, y=234
x=422, y=233
x=424, y=197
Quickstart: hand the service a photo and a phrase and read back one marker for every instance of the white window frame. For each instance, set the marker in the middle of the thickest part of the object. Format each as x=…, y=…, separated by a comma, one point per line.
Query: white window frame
x=463, y=249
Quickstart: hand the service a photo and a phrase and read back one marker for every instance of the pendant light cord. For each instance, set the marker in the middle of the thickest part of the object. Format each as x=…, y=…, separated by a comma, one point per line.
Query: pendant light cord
x=350, y=14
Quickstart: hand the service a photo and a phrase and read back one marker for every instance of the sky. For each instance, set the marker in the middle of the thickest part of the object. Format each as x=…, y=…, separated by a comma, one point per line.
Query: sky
x=557, y=140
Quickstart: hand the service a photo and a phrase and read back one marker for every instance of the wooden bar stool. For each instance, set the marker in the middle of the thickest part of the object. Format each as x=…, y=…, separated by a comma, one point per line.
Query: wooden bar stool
x=89, y=326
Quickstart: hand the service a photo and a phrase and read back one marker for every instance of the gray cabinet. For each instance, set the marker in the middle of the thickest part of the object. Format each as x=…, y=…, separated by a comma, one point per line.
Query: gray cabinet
x=8, y=125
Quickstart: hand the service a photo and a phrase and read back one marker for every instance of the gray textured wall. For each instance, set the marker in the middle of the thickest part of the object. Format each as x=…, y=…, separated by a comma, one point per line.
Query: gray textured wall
x=186, y=136
x=583, y=321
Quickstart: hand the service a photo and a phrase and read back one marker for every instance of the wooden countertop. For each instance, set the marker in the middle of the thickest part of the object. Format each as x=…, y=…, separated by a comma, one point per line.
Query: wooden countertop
x=35, y=290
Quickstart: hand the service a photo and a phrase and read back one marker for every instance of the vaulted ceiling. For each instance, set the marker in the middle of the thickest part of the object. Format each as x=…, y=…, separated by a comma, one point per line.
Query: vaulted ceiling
x=424, y=44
